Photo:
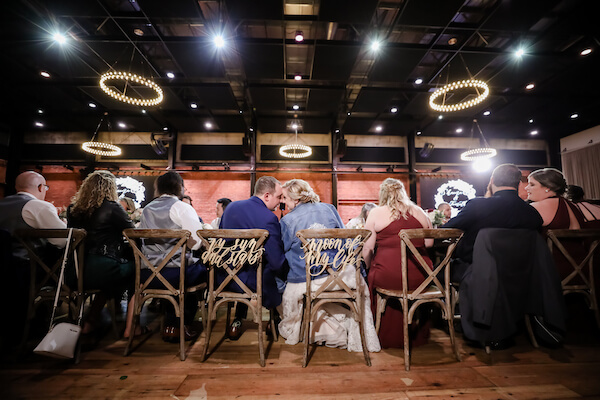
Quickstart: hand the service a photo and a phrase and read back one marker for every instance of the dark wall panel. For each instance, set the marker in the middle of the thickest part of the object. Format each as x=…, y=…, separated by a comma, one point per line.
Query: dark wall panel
x=395, y=155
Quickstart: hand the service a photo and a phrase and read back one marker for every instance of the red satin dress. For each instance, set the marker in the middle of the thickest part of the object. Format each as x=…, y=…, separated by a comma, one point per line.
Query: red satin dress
x=386, y=272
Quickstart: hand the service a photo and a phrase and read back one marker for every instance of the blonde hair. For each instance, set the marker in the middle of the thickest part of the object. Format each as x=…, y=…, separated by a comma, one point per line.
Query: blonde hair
x=99, y=185
x=393, y=195
x=130, y=204
x=300, y=190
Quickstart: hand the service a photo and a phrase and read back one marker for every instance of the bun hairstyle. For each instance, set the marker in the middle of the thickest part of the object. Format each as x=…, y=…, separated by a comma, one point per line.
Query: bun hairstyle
x=393, y=195
x=300, y=190
x=551, y=178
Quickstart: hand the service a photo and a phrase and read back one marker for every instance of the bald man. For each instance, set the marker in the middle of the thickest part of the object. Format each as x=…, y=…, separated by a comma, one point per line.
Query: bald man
x=27, y=209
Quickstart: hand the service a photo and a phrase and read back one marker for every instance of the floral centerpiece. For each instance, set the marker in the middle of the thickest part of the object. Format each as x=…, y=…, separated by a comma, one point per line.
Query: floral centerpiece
x=437, y=218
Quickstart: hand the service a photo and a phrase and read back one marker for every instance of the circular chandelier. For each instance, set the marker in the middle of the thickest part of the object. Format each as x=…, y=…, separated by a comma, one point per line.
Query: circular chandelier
x=468, y=83
x=295, y=150
x=480, y=153
x=129, y=77
x=101, y=149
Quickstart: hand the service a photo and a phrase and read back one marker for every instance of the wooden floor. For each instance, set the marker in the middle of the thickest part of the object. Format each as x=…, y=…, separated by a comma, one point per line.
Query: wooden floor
x=154, y=371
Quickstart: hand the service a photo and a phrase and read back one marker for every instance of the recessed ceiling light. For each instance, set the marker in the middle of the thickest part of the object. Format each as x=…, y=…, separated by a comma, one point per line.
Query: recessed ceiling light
x=40, y=111
x=122, y=125
x=91, y=105
x=440, y=117
x=375, y=45
x=487, y=112
x=533, y=133
x=299, y=36
x=45, y=74
x=531, y=121
x=138, y=32
x=143, y=111
x=170, y=75
x=59, y=38
x=585, y=52
x=394, y=109
x=574, y=116
x=208, y=125
x=251, y=129
x=219, y=41
x=193, y=105
x=530, y=86
x=298, y=77
x=39, y=124
x=459, y=130
x=378, y=128
x=418, y=81
x=519, y=53
x=348, y=113
x=241, y=111
x=337, y=131
x=296, y=107
x=166, y=128
x=419, y=133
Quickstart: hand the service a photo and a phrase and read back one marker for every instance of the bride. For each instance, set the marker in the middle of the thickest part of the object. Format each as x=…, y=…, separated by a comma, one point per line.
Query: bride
x=334, y=325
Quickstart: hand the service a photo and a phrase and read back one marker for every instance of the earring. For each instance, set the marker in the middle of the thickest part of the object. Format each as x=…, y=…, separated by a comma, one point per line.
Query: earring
x=547, y=190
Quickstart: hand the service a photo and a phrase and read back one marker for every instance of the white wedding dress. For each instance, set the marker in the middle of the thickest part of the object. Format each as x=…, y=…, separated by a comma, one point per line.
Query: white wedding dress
x=334, y=325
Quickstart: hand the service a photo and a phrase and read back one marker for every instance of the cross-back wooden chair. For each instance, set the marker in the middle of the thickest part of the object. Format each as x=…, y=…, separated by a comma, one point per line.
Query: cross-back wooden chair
x=178, y=238
x=581, y=279
x=347, y=244
x=232, y=250
x=43, y=280
x=431, y=290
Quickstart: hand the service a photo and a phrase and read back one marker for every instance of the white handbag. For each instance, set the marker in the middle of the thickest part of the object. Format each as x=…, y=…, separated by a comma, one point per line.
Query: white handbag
x=61, y=339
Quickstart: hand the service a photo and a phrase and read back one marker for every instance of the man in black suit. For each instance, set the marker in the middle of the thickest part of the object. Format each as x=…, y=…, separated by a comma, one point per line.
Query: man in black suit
x=504, y=209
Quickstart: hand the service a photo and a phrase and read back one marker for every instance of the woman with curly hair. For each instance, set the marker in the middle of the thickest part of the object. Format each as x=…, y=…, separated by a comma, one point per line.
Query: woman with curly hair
x=334, y=325
x=382, y=254
x=108, y=263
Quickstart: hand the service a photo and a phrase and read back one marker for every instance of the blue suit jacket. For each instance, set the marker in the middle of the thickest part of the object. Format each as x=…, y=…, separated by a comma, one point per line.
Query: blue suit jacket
x=505, y=209
x=253, y=214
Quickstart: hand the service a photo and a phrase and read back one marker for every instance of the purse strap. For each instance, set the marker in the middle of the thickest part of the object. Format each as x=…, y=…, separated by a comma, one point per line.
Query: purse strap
x=61, y=277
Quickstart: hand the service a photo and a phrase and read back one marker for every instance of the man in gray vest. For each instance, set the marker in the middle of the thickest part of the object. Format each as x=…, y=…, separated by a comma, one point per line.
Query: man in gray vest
x=24, y=210
x=27, y=209
x=168, y=212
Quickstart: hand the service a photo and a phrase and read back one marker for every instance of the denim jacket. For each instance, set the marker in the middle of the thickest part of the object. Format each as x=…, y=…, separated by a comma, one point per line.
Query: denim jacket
x=304, y=216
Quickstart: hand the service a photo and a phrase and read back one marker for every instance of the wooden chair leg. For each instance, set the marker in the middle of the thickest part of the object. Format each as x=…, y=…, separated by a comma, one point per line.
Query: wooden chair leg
x=137, y=309
x=261, y=345
x=450, y=319
x=181, y=305
x=209, y=326
x=307, y=313
x=406, y=336
x=363, y=337
x=532, y=338
x=274, y=328
x=381, y=303
x=111, y=305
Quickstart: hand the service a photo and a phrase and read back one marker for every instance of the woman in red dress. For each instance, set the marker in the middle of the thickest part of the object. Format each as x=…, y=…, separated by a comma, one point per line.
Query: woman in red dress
x=382, y=256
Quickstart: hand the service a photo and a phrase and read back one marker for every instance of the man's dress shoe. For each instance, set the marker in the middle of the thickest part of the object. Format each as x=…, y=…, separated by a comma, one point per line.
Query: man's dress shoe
x=234, y=331
x=171, y=334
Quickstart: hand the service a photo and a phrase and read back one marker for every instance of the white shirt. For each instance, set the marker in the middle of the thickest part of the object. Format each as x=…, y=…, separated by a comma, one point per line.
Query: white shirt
x=185, y=216
x=40, y=214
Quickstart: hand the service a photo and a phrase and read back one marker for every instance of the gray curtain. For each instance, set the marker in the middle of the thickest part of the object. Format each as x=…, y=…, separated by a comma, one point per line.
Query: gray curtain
x=582, y=167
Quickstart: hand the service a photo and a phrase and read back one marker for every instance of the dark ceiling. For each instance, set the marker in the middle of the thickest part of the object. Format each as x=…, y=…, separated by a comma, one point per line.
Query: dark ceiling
x=346, y=85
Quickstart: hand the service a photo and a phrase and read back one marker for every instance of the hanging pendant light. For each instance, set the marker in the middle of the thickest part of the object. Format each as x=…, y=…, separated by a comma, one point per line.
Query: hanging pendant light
x=481, y=88
x=129, y=77
x=295, y=150
x=100, y=148
x=483, y=152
